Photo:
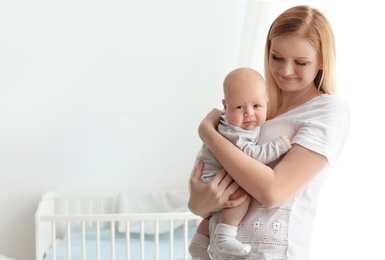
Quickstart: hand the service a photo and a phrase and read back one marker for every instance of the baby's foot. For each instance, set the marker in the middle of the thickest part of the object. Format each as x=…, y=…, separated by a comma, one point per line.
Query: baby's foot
x=232, y=246
x=226, y=241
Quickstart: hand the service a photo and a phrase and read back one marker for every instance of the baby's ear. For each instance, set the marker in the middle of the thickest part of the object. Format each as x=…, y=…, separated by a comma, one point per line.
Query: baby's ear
x=267, y=99
x=224, y=103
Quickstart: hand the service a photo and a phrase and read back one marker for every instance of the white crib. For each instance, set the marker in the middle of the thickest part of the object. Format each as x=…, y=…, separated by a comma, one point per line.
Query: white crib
x=114, y=226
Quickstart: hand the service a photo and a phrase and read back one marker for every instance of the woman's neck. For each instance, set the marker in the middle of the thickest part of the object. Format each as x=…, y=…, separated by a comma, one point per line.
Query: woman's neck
x=290, y=100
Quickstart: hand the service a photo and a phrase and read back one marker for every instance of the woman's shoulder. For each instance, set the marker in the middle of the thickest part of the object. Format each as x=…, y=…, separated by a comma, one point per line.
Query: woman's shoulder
x=326, y=100
x=325, y=106
x=323, y=126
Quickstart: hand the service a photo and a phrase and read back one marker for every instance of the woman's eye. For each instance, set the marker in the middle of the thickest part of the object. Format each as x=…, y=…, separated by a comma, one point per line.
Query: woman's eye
x=276, y=57
x=302, y=63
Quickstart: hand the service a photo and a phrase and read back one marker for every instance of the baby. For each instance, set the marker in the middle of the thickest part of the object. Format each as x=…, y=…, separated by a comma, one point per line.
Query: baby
x=245, y=104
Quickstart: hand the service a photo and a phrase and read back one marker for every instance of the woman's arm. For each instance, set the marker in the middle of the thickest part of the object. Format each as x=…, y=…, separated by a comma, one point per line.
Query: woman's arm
x=207, y=198
x=270, y=186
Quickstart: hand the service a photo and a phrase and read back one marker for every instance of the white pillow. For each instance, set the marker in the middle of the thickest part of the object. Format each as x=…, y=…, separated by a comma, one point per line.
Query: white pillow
x=152, y=202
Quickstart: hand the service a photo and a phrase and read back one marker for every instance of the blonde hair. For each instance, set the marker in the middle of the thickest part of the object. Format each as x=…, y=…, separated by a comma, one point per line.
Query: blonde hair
x=311, y=24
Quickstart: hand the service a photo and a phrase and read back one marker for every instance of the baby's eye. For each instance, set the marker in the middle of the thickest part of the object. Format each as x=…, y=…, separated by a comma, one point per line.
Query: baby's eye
x=239, y=107
x=257, y=106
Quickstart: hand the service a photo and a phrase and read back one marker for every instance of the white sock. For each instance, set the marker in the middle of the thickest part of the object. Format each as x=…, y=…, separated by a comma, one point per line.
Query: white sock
x=198, y=247
x=226, y=241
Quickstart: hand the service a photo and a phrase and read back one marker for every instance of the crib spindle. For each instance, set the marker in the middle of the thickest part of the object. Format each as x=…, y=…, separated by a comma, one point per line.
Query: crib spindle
x=112, y=240
x=128, y=240
x=142, y=239
x=53, y=240
x=98, y=240
x=185, y=238
x=68, y=240
x=156, y=238
x=83, y=240
x=171, y=239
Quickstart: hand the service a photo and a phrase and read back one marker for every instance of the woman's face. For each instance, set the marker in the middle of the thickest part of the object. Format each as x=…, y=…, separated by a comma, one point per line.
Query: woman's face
x=293, y=62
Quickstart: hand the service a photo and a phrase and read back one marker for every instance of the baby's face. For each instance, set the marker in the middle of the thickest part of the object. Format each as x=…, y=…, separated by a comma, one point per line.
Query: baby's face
x=246, y=105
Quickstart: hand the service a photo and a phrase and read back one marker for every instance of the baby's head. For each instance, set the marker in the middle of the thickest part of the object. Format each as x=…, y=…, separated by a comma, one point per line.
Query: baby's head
x=245, y=98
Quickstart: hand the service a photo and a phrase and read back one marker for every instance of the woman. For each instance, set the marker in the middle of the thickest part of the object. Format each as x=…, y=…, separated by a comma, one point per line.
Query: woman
x=301, y=82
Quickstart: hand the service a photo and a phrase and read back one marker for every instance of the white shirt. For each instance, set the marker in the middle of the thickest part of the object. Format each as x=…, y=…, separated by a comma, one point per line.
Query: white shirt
x=283, y=233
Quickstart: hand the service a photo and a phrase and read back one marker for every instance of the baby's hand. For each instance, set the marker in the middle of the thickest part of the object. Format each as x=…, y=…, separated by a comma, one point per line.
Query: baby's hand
x=287, y=142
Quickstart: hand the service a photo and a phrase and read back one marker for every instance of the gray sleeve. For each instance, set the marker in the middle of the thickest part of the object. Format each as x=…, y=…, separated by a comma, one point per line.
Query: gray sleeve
x=246, y=140
x=266, y=152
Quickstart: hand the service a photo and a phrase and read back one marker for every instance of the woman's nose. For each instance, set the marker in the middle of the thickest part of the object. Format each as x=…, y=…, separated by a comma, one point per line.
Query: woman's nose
x=287, y=69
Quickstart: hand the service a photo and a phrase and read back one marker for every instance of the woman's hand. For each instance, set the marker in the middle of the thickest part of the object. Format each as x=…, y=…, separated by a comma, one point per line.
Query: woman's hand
x=209, y=123
x=207, y=198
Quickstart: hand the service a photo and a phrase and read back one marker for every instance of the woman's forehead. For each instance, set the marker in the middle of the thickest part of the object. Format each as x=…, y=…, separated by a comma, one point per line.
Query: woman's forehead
x=293, y=47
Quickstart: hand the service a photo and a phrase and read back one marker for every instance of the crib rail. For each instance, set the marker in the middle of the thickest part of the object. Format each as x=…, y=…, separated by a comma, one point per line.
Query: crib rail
x=51, y=225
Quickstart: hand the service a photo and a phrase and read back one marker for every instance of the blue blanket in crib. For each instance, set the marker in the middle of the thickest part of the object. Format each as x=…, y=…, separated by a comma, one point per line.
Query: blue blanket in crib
x=120, y=245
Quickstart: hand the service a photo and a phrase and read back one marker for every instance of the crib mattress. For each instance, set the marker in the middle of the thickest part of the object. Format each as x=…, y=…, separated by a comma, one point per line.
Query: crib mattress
x=120, y=245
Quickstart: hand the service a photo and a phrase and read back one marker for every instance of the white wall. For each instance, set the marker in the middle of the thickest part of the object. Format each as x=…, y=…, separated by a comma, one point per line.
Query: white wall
x=108, y=96
x=104, y=96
